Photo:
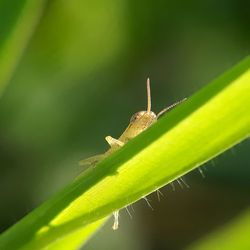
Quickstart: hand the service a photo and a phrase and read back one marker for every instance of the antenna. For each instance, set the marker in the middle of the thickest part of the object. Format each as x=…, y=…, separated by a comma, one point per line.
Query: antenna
x=149, y=95
x=170, y=107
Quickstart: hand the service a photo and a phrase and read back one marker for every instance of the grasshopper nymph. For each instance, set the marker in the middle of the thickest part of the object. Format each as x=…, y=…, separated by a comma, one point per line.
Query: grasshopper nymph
x=139, y=122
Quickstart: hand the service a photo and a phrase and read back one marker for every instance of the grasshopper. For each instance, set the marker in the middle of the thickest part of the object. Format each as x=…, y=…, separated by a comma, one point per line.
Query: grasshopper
x=139, y=122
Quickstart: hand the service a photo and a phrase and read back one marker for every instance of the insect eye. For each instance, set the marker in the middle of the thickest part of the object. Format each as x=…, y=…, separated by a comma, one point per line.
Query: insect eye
x=135, y=116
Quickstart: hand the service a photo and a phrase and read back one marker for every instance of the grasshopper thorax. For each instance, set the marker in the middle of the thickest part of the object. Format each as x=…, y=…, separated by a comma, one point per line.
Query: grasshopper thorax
x=143, y=114
x=139, y=122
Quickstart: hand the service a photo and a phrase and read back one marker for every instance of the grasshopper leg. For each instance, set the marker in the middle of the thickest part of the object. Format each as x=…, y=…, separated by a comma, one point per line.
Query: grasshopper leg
x=91, y=161
x=116, y=220
x=113, y=142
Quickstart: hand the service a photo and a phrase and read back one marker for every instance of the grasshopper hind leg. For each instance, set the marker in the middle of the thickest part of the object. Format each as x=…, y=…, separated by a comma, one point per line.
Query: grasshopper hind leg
x=91, y=161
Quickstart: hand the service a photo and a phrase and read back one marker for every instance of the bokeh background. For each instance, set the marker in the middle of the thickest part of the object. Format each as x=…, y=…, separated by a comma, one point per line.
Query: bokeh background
x=81, y=77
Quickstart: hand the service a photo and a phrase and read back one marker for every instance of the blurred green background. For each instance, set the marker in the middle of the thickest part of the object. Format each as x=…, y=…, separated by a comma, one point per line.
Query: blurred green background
x=81, y=77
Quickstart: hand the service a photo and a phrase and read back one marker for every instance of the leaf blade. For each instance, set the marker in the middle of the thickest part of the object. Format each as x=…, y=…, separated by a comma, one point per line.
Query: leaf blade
x=153, y=159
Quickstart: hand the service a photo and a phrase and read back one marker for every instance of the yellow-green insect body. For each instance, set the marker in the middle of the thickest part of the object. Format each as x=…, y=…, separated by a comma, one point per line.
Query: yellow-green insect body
x=139, y=122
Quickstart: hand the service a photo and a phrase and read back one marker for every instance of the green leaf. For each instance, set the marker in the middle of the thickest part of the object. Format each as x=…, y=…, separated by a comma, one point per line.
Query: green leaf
x=235, y=235
x=73, y=240
x=18, y=20
x=208, y=123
